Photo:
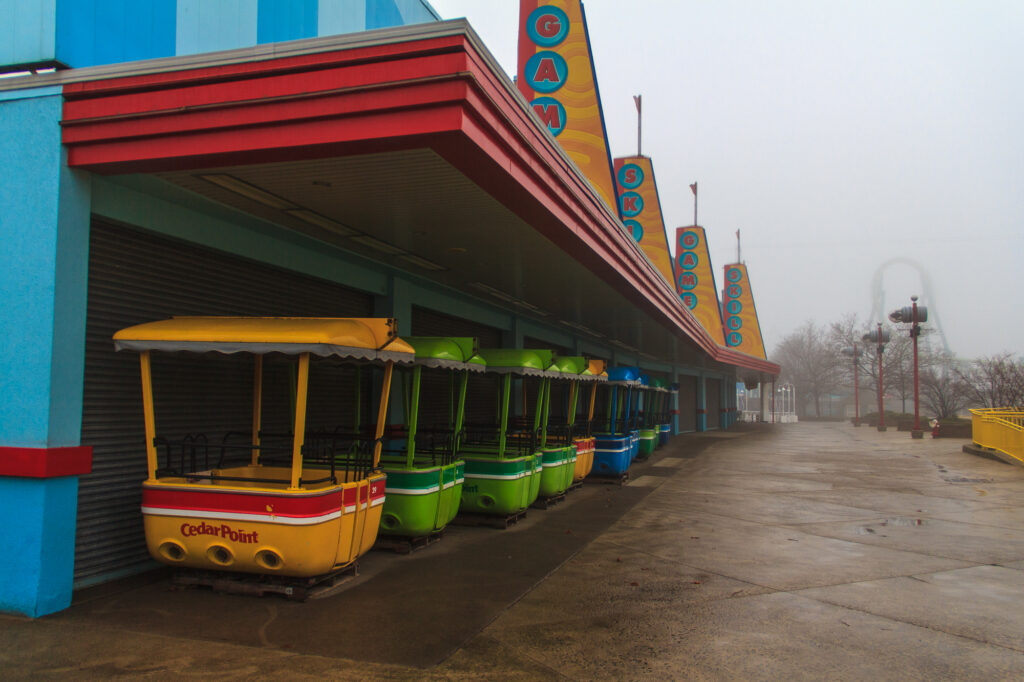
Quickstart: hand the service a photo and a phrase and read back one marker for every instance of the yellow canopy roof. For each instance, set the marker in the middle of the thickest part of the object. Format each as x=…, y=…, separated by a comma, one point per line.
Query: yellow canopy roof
x=364, y=337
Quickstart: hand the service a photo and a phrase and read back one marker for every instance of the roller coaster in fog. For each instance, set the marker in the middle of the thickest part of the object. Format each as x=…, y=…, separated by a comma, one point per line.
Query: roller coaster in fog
x=878, y=310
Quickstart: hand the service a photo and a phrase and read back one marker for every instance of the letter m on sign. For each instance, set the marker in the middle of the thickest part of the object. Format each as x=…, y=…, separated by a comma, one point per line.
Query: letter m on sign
x=549, y=115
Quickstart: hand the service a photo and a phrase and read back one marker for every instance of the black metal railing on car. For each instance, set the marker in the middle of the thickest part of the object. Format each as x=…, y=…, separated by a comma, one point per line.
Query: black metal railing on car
x=434, y=446
x=327, y=456
x=519, y=441
x=560, y=433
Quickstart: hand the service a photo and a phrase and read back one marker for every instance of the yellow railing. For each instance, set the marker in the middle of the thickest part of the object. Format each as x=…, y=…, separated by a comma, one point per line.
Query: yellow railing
x=1000, y=428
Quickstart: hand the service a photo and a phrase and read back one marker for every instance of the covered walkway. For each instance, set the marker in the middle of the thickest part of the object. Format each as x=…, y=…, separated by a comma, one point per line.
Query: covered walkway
x=793, y=551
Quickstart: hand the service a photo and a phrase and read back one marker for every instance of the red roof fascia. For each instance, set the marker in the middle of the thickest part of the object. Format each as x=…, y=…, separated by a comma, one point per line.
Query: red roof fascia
x=434, y=92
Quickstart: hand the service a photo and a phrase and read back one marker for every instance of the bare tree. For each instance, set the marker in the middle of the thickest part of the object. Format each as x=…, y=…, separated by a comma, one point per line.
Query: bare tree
x=996, y=381
x=810, y=362
x=943, y=392
x=899, y=361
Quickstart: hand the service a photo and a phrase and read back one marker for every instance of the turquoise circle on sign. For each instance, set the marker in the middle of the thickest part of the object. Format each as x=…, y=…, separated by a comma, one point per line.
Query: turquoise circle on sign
x=547, y=26
x=689, y=300
x=688, y=260
x=734, y=338
x=734, y=275
x=546, y=71
x=734, y=291
x=632, y=204
x=635, y=228
x=551, y=113
x=689, y=239
x=734, y=323
x=687, y=281
x=733, y=307
x=634, y=171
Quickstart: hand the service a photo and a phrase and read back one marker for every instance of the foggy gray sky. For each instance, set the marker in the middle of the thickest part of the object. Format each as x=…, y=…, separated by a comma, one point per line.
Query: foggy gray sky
x=835, y=136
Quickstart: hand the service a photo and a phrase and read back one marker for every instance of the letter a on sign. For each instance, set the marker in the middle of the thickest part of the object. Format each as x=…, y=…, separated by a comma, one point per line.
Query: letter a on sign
x=546, y=71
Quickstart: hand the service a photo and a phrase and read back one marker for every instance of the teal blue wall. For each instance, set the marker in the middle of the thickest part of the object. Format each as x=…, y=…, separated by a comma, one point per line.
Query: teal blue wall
x=27, y=31
x=112, y=31
x=35, y=576
x=44, y=227
x=280, y=20
x=91, y=32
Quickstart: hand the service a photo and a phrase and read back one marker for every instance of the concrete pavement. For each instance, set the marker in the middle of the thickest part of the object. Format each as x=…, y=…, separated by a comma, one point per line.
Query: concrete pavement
x=802, y=551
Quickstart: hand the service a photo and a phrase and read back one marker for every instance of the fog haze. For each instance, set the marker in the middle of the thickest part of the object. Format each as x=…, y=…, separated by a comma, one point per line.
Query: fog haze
x=835, y=136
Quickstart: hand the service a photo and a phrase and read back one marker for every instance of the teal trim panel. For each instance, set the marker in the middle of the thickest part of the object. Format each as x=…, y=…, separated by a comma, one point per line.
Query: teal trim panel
x=27, y=31
x=208, y=26
x=89, y=33
x=416, y=11
x=341, y=16
x=382, y=14
x=44, y=226
x=83, y=33
x=280, y=20
x=35, y=580
x=92, y=32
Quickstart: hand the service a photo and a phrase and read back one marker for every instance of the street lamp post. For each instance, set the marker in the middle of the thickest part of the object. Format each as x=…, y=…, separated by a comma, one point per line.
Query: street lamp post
x=915, y=315
x=855, y=354
x=880, y=337
x=915, y=331
x=881, y=383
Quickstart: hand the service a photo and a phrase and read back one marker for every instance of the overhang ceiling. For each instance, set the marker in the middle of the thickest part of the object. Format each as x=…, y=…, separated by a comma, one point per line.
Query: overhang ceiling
x=414, y=139
x=420, y=206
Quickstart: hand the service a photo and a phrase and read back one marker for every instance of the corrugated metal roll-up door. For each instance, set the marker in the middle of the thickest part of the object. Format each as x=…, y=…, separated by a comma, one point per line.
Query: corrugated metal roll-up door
x=482, y=390
x=135, y=277
x=713, y=401
x=687, y=403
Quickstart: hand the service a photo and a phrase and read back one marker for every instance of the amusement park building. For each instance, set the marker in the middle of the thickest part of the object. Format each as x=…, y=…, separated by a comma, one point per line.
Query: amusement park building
x=182, y=159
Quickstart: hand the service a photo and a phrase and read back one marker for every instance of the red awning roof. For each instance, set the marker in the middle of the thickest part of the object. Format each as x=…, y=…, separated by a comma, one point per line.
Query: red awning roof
x=429, y=86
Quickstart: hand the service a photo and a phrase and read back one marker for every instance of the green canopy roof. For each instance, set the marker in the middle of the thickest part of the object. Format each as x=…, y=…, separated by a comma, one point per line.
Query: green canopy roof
x=448, y=352
x=528, y=361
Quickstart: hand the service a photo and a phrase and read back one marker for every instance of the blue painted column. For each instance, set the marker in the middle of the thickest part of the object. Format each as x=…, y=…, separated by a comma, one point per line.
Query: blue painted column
x=675, y=403
x=724, y=418
x=44, y=227
x=729, y=384
x=702, y=406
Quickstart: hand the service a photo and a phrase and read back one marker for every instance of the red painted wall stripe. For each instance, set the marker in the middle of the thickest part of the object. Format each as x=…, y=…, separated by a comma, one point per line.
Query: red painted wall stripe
x=45, y=462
